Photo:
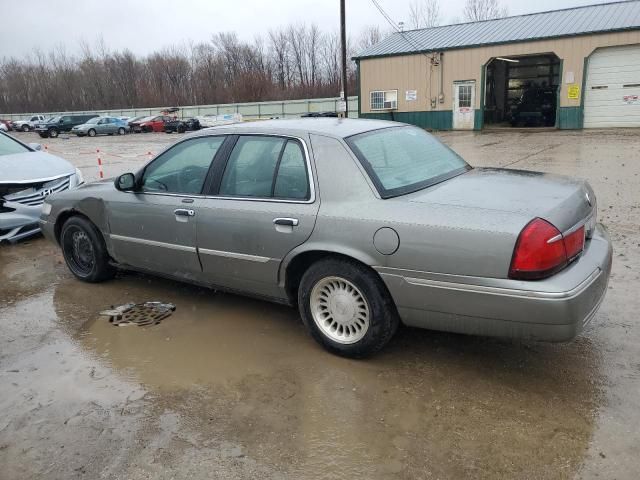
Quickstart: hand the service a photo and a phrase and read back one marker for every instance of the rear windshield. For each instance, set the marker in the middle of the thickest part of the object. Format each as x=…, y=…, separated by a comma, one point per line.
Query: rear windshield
x=401, y=160
x=9, y=146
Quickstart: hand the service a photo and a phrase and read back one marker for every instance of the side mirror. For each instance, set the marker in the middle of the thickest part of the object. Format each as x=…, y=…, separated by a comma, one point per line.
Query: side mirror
x=61, y=121
x=126, y=182
x=35, y=146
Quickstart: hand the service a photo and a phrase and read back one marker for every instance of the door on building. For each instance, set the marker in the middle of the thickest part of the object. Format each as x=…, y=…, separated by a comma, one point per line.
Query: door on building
x=464, y=99
x=521, y=91
x=612, y=88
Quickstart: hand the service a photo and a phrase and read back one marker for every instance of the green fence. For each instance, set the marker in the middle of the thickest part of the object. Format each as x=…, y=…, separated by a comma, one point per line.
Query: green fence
x=249, y=111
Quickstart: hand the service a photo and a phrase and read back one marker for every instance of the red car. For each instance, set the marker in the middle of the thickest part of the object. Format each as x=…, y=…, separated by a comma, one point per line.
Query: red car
x=154, y=123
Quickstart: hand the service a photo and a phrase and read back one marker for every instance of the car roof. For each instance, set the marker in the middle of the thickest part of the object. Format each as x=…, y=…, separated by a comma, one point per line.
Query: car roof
x=334, y=127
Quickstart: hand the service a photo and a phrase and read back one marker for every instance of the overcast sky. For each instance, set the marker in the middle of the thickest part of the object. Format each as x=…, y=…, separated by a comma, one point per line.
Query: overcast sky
x=147, y=25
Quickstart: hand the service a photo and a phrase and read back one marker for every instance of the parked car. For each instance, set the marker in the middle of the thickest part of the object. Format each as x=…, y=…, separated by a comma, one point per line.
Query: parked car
x=154, y=123
x=181, y=126
x=62, y=123
x=319, y=114
x=5, y=125
x=406, y=231
x=27, y=177
x=133, y=120
x=28, y=123
x=101, y=126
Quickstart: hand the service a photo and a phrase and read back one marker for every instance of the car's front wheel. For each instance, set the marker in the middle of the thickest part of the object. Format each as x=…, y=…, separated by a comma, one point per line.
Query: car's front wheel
x=25, y=128
x=346, y=308
x=84, y=251
x=53, y=132
x=91, y=132
x=121, y=131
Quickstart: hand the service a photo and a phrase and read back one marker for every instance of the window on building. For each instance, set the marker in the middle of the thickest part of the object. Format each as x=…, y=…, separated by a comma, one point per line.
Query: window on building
x=384, y=99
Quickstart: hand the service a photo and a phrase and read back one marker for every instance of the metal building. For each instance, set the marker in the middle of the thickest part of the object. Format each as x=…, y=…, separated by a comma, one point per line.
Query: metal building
x=572, y=68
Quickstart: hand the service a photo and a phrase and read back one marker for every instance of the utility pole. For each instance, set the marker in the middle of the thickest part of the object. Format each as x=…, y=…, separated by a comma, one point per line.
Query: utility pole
x=343, y=37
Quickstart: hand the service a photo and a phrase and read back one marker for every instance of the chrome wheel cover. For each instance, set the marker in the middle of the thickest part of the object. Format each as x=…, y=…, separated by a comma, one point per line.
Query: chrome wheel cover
x=340, y=310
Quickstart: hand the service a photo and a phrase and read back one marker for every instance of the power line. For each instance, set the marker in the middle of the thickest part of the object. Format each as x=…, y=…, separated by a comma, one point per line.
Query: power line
x=395, y=26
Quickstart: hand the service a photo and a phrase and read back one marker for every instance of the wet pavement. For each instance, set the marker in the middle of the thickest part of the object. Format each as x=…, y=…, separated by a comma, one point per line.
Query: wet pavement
x=229, y=387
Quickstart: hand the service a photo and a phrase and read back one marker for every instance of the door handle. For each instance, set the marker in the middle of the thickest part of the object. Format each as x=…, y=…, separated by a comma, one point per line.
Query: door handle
x=183, y=212
x=291, y=222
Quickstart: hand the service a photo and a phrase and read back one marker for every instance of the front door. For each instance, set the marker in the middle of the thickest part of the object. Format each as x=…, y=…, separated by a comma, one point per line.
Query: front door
x=464, y=99
x=262, y=205
x=154, y=228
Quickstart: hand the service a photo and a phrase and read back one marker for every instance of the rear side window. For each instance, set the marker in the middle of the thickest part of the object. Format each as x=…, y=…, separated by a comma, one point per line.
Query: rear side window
x=266, y=167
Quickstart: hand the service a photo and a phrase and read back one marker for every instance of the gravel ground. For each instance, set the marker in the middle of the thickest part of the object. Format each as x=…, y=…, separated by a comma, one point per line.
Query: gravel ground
x=229, y=387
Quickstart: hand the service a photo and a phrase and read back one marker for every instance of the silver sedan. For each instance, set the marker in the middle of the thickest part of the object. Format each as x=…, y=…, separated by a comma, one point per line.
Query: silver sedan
x=27, y=176
x=361, y=224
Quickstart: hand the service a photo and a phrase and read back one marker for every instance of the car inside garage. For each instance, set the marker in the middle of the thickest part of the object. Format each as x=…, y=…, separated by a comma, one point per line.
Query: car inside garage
x=522, y=91
x=612, y=88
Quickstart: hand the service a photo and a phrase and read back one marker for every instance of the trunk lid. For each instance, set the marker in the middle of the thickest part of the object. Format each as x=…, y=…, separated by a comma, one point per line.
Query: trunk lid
x=562, y=201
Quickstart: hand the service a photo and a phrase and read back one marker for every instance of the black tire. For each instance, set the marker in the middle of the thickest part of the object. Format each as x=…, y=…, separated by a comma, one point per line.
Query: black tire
x=383, y=316
x=43, y=135
x=84, y=251
x=25, y=128
x=181, y=129
x=91, y=132
x=53, y=132
x=121, y=131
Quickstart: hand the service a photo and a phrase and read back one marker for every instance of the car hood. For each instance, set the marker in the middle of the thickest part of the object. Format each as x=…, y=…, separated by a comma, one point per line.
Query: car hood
x=563, y=201
x=29, y=166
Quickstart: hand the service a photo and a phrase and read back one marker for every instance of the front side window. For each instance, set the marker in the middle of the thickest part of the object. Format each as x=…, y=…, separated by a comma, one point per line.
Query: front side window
x=401, y=160
x=266, y=167
x=183, y=168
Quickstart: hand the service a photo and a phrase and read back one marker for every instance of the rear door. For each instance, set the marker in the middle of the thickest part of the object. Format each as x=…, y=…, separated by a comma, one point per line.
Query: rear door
x=261, y=205
x=155, y=228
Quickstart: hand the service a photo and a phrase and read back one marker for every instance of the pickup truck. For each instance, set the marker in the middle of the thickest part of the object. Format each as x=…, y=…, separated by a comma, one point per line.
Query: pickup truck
x=28, y=124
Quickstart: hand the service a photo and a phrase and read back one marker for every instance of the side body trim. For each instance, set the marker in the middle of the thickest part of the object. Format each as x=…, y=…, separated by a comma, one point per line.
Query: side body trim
x=153, y=243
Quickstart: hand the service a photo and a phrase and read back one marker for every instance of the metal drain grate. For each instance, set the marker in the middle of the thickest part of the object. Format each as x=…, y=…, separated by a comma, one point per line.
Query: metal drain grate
x=141, y=314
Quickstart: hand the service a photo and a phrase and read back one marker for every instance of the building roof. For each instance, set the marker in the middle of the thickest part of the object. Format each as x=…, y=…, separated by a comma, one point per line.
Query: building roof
x=600, y=18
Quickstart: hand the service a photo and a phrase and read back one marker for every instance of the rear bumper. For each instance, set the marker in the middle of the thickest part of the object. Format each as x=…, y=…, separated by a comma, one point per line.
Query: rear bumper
x=554, y=309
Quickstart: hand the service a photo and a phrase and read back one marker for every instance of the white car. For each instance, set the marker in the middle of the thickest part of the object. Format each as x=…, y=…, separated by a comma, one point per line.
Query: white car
x=3, y=127
x=27, y=177
x=29, y=123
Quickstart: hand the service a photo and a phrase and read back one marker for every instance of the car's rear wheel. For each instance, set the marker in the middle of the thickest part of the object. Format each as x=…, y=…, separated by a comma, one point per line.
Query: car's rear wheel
x=91, y=132
x=53, y=132
x=25, y=128
x=121, y=131
x=181, y=129
x=346, y=308
x=84, y=251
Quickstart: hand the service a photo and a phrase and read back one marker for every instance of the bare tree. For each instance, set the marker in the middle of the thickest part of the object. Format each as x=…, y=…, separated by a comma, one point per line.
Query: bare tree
x=476, y=10
x=294, y=61
x=424, y=13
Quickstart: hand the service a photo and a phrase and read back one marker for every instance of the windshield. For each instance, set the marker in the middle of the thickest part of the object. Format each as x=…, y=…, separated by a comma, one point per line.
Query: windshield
x=54, y=119
x=93, y=120
x=146, y=119
x=9, y=146
x=401, y=160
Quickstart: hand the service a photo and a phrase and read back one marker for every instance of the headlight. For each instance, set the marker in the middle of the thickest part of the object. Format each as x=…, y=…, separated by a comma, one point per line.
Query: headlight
x=46, y=208
x=79, y=177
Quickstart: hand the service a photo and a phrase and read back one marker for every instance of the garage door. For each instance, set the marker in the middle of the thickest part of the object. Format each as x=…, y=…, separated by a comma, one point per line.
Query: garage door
x=612, y=93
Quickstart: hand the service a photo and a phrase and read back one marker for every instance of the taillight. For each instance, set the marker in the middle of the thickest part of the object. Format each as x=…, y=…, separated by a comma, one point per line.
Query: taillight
x=574, y=243
x=541, y=250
